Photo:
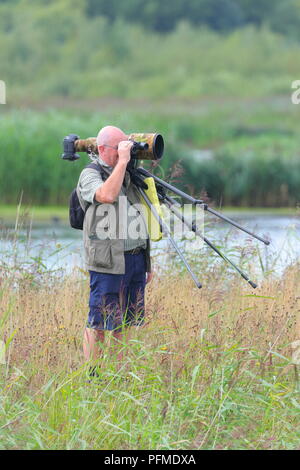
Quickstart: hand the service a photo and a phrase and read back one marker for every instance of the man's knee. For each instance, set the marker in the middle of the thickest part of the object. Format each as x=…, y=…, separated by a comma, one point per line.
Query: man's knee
x=95, y=334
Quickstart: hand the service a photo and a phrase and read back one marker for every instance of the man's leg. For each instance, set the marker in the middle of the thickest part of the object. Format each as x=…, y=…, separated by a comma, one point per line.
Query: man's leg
x=136, y=292
x=109, y=312
x=131, y=302
x=105, y=315
x=91, y=343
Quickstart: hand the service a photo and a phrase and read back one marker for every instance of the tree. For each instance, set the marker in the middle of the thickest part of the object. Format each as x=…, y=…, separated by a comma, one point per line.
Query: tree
x=285, y=19
x=220, y=15
x=257, y=11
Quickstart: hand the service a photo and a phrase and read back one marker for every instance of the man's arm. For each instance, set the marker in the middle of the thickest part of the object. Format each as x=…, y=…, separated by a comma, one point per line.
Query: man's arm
x=108, y=192
x=110, y=189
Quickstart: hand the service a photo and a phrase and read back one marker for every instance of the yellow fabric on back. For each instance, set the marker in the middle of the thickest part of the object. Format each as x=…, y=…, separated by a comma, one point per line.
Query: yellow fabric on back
x=152, y=224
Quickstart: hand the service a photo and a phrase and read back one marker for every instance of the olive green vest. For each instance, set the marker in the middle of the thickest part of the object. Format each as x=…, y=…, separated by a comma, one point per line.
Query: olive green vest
x=107, y=255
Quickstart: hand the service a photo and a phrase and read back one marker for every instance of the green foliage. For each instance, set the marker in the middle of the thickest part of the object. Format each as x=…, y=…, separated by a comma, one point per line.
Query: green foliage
x=163, y=17
x=285, y=19
x=216, y=406
x=94, y=57
x=237, y=158
x=257, y=12
x=45, y=57
x=219, y=15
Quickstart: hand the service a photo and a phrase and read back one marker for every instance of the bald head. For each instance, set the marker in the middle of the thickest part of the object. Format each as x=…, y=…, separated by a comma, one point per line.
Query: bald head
x=110, y=135
x=108, y=140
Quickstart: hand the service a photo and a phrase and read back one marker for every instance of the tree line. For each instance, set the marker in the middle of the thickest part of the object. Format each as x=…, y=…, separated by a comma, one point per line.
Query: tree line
x=163, y=17
x=219, y=15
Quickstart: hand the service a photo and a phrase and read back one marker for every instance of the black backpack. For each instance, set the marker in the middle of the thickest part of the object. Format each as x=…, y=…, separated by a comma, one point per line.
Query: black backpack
x=76, y=213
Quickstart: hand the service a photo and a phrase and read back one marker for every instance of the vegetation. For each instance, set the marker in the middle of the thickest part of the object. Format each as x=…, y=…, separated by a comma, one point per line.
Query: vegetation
x=220, y=95
x=92, y=57
x=211, y=368
x=219, y=15
x=234, y=155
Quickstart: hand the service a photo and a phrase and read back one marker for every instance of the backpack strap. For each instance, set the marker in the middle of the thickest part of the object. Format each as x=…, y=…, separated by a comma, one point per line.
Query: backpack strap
x=98, y=167
x=104, y=176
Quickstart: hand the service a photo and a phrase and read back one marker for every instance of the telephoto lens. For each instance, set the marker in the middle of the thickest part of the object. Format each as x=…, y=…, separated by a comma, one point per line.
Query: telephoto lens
x=146, y=146
x=155, y=148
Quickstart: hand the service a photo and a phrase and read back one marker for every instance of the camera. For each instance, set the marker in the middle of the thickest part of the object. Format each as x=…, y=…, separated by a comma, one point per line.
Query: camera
x=145, y=146
x=138, y=147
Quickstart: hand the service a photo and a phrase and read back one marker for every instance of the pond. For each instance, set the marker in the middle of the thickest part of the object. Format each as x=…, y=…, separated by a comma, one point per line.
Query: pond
x=57, y=246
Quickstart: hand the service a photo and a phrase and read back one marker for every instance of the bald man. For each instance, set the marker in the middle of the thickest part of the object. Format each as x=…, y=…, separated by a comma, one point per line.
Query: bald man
x=119, y=268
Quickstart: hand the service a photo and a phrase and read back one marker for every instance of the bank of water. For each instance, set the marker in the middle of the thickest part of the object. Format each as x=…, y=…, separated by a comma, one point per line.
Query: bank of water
x=56, y=246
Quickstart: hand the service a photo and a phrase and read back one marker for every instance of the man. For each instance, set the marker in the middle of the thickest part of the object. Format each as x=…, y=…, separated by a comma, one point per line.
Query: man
x=119, y=267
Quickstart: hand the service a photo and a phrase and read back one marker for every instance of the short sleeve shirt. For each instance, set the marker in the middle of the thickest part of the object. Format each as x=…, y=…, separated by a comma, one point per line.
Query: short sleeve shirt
x=89, y=181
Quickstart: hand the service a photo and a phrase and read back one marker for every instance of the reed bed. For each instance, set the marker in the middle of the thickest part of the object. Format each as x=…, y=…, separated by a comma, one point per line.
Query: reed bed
x=225, y=151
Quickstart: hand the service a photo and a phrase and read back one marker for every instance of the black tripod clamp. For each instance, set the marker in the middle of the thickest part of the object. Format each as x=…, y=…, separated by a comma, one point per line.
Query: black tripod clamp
x=199, y=202
x=136, y=178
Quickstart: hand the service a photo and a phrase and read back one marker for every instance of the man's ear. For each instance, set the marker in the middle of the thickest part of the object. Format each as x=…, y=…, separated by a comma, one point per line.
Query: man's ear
x=100, y=149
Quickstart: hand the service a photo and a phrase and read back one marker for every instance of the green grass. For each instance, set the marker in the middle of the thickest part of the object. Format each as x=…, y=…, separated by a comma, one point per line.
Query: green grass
x=208, y=407
x=37, y=213
x=47, y=213
x=211, y=369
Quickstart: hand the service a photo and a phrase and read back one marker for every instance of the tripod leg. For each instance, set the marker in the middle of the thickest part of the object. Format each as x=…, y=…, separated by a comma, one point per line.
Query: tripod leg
x=192, y=227
x=235, y=224
x=197, y=201
x=167, y=232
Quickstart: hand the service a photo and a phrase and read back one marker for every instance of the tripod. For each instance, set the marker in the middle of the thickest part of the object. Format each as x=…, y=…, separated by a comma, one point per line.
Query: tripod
x=139, y=174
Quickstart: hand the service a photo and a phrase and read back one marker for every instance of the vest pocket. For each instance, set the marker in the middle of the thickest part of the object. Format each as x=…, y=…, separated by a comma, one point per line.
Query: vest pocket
x=100, y=253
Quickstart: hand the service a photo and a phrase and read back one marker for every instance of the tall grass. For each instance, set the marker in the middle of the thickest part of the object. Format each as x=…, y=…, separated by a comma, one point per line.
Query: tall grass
x=211, y=368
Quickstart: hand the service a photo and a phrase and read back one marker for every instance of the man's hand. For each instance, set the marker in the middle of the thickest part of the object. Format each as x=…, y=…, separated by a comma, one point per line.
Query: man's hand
x=149, y=277
x=124, y=151
x=110, y=189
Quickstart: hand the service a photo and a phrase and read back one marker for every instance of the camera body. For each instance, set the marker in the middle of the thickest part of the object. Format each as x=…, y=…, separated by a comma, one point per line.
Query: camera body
x=69, y=148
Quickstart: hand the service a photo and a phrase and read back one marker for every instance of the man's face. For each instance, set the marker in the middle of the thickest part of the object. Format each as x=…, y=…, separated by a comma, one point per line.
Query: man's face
x=109, y=151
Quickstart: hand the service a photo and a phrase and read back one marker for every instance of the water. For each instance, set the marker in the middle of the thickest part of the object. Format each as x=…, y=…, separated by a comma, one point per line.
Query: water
x=58, y=246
